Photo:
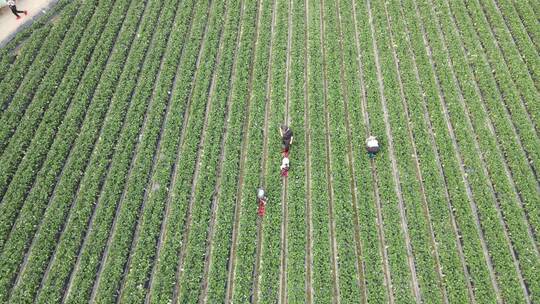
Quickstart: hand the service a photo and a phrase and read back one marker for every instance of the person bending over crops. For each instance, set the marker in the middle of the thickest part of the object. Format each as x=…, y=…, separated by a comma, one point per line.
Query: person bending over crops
x=287, y=138
x=372, y=146
x=14, y=10
x=261, y=201
x=285, y=164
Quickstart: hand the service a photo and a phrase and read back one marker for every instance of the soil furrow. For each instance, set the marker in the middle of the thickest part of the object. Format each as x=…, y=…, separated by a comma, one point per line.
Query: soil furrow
x=380, y=230
x=217, y=188
x=332, y=223
x=353, y=181
x=309, y=228
x=395, y=173
x=459, y=157
x=264, y=168
x=284, y=210
x=174, y=172
x=157, y=153
x=76, y=268
x=134, y=156
x=188, y=221
x=425, y=203
x=243, y=156
x=441, y=172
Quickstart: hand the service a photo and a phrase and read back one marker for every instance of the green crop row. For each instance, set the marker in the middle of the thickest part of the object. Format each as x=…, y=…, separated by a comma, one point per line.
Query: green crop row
x=165, y=278
x=25, y=227
x=528, y=19
x=296, y=191
x=239, y=99
x=39, y=196
x=215, y=96
x=124, y=229
x=42, y=73
x=270, y=265
x=247, y=231
x=323, y=283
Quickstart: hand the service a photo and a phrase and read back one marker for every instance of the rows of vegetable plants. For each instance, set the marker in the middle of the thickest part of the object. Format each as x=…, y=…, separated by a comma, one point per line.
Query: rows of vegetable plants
x=73, y=231
x=371, y=233
x=505, y=13
x=241, y=278
x=20, y=78
x=402, y=268
x=10, y=160
x=454, y=282
x=438, y=83
x=171, y=257
x=77, y=222
x=24, y=225
x=513, y=219
x=527, y=17
x=276, y=89
x=324, y=286
x=42, y=203
x=192, y=253
x=41, y=71
x=295, y=200
x=132, y=202
x=240, y=100
x=155, y=200
x=340, y=155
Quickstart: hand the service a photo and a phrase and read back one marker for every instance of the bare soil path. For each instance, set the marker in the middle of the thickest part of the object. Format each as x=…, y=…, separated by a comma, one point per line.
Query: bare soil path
x=11, y=26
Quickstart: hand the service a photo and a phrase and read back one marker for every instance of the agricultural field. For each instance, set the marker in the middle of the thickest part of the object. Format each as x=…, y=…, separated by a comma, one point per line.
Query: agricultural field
x=134, y=134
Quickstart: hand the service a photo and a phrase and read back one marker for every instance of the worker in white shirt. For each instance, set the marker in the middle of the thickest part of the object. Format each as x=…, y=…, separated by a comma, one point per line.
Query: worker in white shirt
x=13, y=7
x=285, y=164
x=372, y=146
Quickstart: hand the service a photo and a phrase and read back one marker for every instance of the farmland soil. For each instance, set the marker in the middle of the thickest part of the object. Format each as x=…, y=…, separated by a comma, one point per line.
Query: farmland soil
x=11, y=26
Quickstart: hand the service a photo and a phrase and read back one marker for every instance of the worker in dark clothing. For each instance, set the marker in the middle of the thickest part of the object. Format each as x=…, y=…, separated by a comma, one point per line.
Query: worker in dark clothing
x=13, y=7
x=287, y=138
x=261, y=201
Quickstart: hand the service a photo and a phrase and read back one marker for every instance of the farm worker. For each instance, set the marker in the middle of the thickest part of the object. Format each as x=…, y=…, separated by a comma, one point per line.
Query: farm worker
x=372, y=146
x=261, y=201
x=13, y=7
x=285, y=164
x=287, y=138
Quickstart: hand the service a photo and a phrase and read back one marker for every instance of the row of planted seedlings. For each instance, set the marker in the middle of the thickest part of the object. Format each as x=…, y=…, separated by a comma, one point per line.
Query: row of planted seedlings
x=247, y=231
x=371, y=259
x=22, y=79
x=495, y=35
x=156, y=197
x=133, y=200
x=177, y=227
x=215, y=95
x=454, y=283
x=505, y=17
x=84, y=203
x=521, y=170
x=528, y=19
x=41, y=75
x=323, y=281
x=505, y=200
x=480, y=200
x=83, y=159
x=28, y=41
x=269, y=270
x=338, y=100
x=296, y=192
x=238, y=120
x=438, y=86
x=405, y=154
x=18, y=164
x=400, y=269
x=21, y=224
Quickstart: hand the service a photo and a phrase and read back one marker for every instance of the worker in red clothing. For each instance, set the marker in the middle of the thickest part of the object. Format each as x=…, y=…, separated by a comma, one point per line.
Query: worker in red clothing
x=14, y=10
x=261, y=201
x=287, y=139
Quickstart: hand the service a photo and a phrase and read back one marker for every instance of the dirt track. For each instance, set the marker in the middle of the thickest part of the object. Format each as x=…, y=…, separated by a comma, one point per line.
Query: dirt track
x=10, y=25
